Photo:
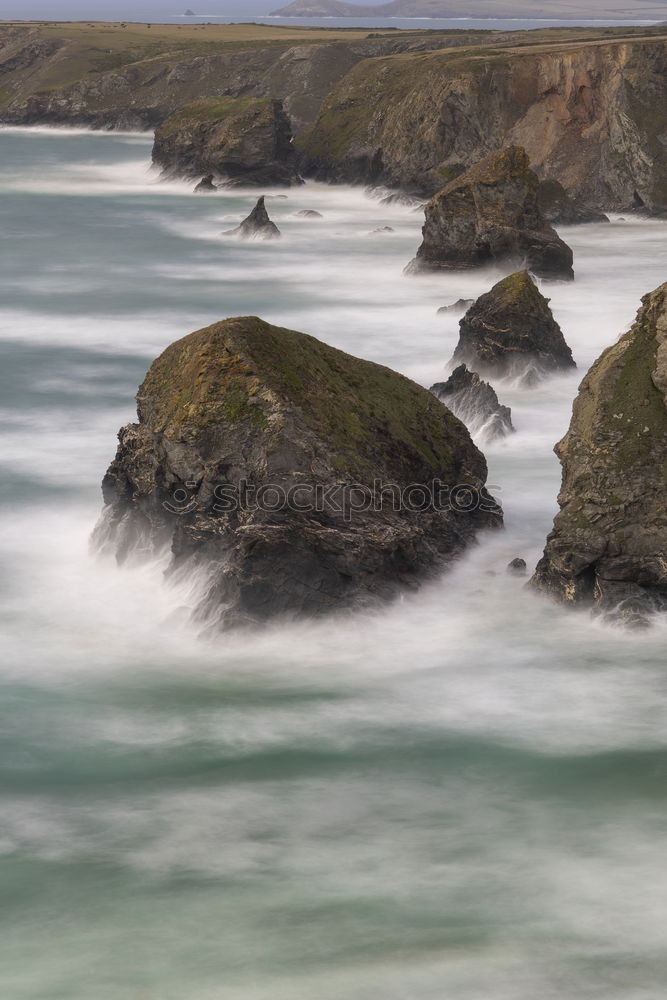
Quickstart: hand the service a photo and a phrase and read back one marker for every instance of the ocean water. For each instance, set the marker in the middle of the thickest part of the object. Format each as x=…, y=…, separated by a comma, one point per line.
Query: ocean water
x=462, y=795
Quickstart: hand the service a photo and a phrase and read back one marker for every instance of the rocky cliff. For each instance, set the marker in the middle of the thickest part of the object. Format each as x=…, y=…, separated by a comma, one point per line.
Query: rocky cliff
x=591, y=116
x=609, y=543
x=250, y=439
x=244, y=140
x=136, y=75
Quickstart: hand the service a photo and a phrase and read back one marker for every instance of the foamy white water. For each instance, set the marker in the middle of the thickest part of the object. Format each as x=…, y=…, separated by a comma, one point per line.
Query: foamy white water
x=458, y=796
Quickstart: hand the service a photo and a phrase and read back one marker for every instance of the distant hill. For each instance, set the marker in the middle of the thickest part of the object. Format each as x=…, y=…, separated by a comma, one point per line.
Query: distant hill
x=637, y=10
x=338, y=8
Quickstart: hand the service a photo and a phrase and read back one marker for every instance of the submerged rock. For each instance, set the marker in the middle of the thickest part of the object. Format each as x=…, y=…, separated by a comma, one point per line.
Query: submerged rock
x=490, y=215
x=402, y=199
x=511, y=333
x=308, y=213
x=608, y=546
x=380, y=230
x=205, y=185
x=241, y=140
x=475, y=403
x=560, y=210
x=257, y=226
x=249, y=441
x=517, y=567
x=457, y=308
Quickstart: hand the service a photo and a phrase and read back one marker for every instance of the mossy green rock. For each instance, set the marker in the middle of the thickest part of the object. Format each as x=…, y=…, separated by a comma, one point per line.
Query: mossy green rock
x=491, y=215
x=511, y=332
x=609, y=542
x=242, y=140
x=243, y=401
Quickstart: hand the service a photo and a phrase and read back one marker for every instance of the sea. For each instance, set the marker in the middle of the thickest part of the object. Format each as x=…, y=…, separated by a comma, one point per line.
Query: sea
x=460, y=795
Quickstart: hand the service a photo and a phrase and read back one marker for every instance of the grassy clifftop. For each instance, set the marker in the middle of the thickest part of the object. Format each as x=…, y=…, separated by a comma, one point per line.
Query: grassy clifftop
x=135, y=75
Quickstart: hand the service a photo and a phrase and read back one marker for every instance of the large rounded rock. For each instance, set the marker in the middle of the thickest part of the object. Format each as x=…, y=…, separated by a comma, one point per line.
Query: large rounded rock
x=241, y=140
x=249, y=440
x=511, y=332
x=609, y=542
x=490, y=214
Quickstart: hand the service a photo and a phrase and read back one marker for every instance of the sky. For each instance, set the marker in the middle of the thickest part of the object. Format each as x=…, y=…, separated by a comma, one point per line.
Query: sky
x=146, y=10
x=142, y=9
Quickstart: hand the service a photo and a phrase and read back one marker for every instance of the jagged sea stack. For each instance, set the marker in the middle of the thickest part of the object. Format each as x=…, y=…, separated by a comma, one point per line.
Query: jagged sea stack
x=475, y=403
x=490, y=215
x=608, y=546
x=256, y=226
x=510, y=332
x=296, y=421
x=239, y=140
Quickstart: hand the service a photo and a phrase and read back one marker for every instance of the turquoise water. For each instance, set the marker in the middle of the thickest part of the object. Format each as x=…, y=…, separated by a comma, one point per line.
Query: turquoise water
x=461, y=796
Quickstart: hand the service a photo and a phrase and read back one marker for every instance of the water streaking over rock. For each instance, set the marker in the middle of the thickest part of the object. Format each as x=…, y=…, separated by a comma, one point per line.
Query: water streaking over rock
x=475, y=403
x=305, y=481
x=461, y=795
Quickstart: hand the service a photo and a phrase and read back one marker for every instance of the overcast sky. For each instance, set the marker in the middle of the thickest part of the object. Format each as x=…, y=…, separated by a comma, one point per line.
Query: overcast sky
x=138, y=9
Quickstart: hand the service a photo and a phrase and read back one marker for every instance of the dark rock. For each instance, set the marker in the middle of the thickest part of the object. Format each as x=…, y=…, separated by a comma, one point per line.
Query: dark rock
x=308, y=213
x=560, y=210
x=189, y=13
x=608, y=547
x=244, y=141
x=475, y=403
x=517, y=567
x=510, y=332
x=257, y=226
x=490, y=215
x=456, y=308
x=246, y=402
x=205, y=185
x=381, y=229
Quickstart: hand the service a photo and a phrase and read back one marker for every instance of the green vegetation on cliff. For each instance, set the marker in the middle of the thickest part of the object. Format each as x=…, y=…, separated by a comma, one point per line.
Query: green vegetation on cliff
x=233, y=372
x=209, y=110
x=609, y=542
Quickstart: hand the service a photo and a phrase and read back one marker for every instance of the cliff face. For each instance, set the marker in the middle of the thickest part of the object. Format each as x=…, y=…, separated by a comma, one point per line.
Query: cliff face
x=594, y=117
x=110, y=76
x=609, y=542
x=239, y=139
x=247, y=436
